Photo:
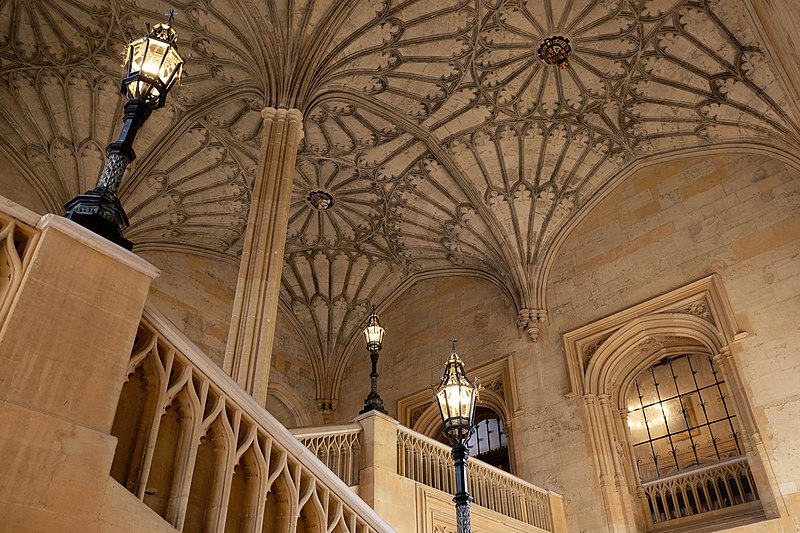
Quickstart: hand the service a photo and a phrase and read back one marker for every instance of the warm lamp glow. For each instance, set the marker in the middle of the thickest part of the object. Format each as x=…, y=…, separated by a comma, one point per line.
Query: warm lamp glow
x=457, y=397
x=658, y=414
x=373, y=333
x=152, y=66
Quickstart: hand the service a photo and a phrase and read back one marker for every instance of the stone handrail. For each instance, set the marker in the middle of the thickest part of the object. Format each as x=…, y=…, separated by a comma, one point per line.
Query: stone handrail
x=725, y=484
x=338, y=447
x=428, y=461
x=201, y=452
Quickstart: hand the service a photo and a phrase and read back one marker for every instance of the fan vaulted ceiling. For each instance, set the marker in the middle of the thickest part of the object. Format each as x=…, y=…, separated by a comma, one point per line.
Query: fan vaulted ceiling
x=442, y=140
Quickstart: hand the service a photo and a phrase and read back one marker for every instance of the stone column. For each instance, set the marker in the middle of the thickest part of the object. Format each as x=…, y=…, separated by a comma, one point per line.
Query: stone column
x=255, y=307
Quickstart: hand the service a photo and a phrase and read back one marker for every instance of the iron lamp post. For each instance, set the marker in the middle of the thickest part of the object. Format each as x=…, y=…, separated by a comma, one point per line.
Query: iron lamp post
x=373, y=334
x=456, y=398
x=152, y=67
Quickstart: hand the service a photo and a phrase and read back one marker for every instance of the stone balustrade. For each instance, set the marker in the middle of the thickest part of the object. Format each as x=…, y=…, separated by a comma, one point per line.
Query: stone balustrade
x=500, y=497
x=428, y=461
x=16, y=242
x=338, y=447
x=700, y=493
x=200, y=452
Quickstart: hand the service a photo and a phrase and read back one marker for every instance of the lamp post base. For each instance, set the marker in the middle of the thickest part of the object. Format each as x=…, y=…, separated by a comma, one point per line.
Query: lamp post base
x=100, y=211
x=373, y=403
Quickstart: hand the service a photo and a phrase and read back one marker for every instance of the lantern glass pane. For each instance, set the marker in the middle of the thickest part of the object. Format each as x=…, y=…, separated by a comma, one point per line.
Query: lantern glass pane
x=170, y=66
x=136, y=51
x=465, y=400
x=441, y=398
x=374, y=334
x=155, y=55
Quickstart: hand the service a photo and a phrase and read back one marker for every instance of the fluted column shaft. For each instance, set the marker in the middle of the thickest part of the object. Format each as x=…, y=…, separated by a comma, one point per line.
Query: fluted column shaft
x=252, y=330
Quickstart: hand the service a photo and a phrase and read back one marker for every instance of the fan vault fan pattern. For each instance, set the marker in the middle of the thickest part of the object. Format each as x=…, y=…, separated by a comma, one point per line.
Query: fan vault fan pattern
x=439, y=140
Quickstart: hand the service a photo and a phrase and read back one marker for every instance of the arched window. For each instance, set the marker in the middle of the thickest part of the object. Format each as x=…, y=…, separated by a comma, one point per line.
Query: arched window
x=676, y=442
x=686, y=441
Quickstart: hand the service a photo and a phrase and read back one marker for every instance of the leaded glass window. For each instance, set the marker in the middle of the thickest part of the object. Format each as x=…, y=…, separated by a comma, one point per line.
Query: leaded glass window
x=680, y=417
x=488, y=441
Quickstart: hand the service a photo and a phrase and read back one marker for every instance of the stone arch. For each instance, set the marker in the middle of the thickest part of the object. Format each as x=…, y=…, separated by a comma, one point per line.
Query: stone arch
x=311, y=518
x=213, y=459
x=248, y=483
x=617, y=360
x=284, y=398
x=280, y=500
x=548, y=261
x=606, y=356
x=430, y=421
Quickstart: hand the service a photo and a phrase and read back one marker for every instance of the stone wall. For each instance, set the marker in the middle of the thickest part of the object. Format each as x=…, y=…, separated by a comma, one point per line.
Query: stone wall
x=196, y=294
x=736, y=215
x=669, y=224
x=291, y=391
x=416, y=346
x=547, y=437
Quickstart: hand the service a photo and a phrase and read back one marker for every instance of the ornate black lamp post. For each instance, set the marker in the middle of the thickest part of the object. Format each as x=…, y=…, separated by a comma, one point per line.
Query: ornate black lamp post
x=373, y=334
x=457, y=397
x=152, y=67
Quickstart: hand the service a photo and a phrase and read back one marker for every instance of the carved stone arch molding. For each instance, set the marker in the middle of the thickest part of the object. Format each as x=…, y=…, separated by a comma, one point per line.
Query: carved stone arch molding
x=604, y=358
x=285, y=395
x=329, y=378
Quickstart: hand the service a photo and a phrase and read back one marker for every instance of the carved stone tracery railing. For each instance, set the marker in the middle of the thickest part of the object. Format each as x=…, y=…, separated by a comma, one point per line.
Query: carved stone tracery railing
x=429, y=462
x=338, y=447
x=716, y=487
x=201, y=453
x=16, y=245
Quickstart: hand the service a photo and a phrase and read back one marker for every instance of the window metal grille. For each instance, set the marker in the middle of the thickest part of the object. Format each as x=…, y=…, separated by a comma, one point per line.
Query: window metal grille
x=487, y=435
x=679, y=417
x=488, y=441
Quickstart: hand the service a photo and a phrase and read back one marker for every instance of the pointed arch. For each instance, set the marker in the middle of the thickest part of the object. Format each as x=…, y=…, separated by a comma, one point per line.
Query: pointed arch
x=605, y=357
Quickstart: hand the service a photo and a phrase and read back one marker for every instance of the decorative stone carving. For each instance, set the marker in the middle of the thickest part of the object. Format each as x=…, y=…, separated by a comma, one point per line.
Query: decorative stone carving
x=528, y=320
x=590, y=349
x=521, y=83
x=416, y=413
x=326, y=407
x=442, y=137
x=496, y=385
x=700, y=309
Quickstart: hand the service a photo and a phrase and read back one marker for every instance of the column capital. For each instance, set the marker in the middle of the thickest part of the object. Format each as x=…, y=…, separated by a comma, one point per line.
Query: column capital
x=722, y=357
x=292, y=116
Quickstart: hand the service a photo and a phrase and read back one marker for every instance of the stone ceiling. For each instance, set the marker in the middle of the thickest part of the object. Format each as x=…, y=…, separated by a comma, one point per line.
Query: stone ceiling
x=437, y=136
